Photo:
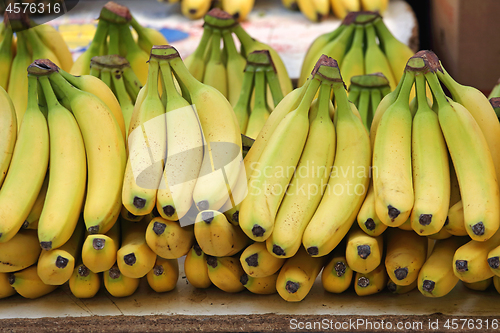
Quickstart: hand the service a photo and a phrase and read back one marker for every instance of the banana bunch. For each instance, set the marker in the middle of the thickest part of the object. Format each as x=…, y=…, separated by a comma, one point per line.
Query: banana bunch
x=362, y=44
x=224, y=68
x=196, y=9
x=23, y=41
x=366, y=92
x=259, y=78
x=113, y=36
x=317, y=10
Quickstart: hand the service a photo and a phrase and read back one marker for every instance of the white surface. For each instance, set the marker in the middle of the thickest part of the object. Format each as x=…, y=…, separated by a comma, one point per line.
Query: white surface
x=186, y=300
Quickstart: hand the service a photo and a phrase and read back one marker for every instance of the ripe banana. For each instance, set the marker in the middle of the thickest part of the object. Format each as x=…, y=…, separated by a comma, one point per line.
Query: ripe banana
x=195, y=9
x=81, y=66
x=84, y=283
x=363, y=253
x=225, y=273
x=105, y=167
x=195, y=268
x=297, y=276
x=147, y=37
x=134, y=258
x=215, y=70
x=367, y=218
x=308, y=184
x=314, y=10
x=456, y=224
x=67, y=174
x=370, y=283
x=257, y=262
x=239, y=9
x=34, y=215
x=164, y=275
x=337, y=275
x=99, y=251
x=406, y=253
x=184, y=148
x=55, y=42
x=136, y=56
x=395, y=289
x=8, y=132
x=27, y=283
x=354, y=60
x=348, y=183
x=6, y=289
x=56, y=266
x=436, y=277
x=375, y=5
x=27, y=168
x=20, y=252
x=479, y=285
x=262, y=286
x=216, y=236
x=119, y=285
x=168, y=239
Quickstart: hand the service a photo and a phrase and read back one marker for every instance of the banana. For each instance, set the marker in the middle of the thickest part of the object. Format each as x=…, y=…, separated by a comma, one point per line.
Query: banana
x=168, y=239
x=84, y=283
x=397, y=52
x=367, y=218
x=479, y=285
x=119, y=285
x=221, y=161
x=124, y=213
x=242, y=107
x=337, y=275
x=235, y=68
x=406, y=253
x=290, y=4
x=473, y=164
x=49, y=36
x=262, y=286
x=105, y=167
x=132, y=83
x=392, y=175
x=306, y=188
x=99, y=251
x=395, y=289
x=364, y=106
x=6, y=289
x=20, y=252
x=215, y=70
x=136, y=56
x=27, y=169
x=34, y=215
x=134, y=258
x=297, y=276
x=259, y=113
x=39, y=50
x=195, y=268
x=67, y=174
x=126, y=102
x=164, y=275
x=496, y=283
x=431, y=177
x=313, y=53
x=195, y=9
x=195, y=62
x=441, y=234
x=494, y=260
x=98, y=88
x=370, y=283
x=257, y=262
x=8, y=132
x=363, y=253
x=249, y=45
x=27, y=283
x=350, y=173
x=267, y=189
x=314, y=10
x=239, y=9
x=18, y=79
x=341, y=8
x=456, y=225
x=216, y=236
x=81, y=66
x=354, y=60
x=6, y=57
x=375, y=5
x=147, y=37
x=375, y=59
x=225, y=273
x=436, y=277
x=147, y=144
x=56, y=266
x=184, y=148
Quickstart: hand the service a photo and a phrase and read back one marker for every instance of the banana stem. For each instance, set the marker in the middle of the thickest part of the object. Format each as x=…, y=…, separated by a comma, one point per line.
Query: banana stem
x=132, y=83
x=114, y=40
x=244, y=37
x=100, y=36
x=260, y=89
x=437, y=90
x=229, y=44
x=153, y=78
x=274, y=85
x=343, y=106
x=49, y=94
x=354, y=93
x=420, y=90
x=32, y=92
x=183, y=74
x=125, y=36
x=371, y=36
x=95, y=70
x=404, y=93
x=137, y=27
x=202, y=46
x=324, y=100
x=311, y=91
x=215, y=54
x=246, y=89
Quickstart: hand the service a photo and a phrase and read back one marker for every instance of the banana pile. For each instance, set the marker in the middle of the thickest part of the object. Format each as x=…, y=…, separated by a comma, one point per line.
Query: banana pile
x=21, y=42
x=317, y=10
x=259, y=79
x=366, y=92
x=113, y=36
x=196, y=9
x=224, y=68
x=362, y=44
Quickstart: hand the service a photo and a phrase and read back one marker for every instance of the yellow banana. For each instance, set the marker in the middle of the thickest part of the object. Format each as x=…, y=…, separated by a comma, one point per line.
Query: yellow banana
x=137, y=57
x=27, y=283
x=215, y=70
x=259, y=113
x=195, y=9
x=367, y=218
x=81, y=66
x=147, y=37
x=225, y=273
x=239, y=9
x=375, y=5
x=6, y=289
x=8, y=132
x=363, y=252
x=257, y=262
x=479, y=285
x=235, y=67
x=395, y=289
x=290, y=4
x=27, y=169
x=195, y=62
x=164, y=275
x=406, y=253
x=34, y=215
x=84, y=283
x=20, y=252
x=119, y=285
x=337, y=275
x=370, y=283
x=314, y=10
x=168, y=239
x=49, y=36
x=354, y=60
x=262, y=286
x=99, y=251
x=195, y=268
